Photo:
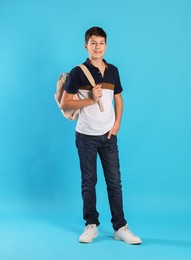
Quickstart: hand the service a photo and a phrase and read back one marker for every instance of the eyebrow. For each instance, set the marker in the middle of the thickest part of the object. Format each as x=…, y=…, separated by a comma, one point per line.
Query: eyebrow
x=97, y=41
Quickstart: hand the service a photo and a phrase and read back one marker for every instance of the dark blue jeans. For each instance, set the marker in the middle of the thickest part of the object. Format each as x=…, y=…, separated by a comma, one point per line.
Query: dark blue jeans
x=88, y=148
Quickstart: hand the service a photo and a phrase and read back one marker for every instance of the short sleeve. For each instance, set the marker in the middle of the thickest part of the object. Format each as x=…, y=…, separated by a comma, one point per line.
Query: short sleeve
x=118, y=88
x=73, y=81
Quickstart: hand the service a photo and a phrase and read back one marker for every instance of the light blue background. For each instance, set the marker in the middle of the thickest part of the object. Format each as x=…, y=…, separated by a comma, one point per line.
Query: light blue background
x=149, y=41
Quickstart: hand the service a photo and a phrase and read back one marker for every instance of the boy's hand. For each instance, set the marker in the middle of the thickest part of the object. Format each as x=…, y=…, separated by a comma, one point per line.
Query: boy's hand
x=97, y=92
x=114, y=130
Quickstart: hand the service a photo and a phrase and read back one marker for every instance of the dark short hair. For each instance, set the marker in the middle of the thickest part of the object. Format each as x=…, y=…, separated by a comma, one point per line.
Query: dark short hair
x=97, y=31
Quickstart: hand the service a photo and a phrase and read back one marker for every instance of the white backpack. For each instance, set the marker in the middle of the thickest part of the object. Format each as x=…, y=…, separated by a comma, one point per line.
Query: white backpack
x=72, y=114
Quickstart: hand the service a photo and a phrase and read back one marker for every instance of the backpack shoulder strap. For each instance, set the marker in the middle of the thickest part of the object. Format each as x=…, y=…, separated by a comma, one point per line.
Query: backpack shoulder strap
x=88, y=74
x=92, y=82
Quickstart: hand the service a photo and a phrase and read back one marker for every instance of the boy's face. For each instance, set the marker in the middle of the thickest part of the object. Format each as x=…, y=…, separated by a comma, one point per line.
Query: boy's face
x=96, y=47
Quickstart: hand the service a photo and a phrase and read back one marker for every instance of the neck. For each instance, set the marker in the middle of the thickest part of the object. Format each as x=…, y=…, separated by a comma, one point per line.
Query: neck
x=97, y=62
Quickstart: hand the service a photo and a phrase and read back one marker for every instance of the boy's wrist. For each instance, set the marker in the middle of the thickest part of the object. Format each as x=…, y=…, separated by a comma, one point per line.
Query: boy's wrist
x=92, y=101
x=117, y=123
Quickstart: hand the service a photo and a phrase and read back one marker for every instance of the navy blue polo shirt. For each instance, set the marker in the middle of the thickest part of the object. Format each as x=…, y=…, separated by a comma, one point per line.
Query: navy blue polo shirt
x=77, y=80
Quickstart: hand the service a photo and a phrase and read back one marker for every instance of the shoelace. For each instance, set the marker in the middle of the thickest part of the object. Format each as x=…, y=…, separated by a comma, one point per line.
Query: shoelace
x=88, y=228
x=130, y=233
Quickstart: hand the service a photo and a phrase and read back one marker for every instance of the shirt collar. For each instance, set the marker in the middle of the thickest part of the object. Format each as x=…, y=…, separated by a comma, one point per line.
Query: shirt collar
x=87, y=62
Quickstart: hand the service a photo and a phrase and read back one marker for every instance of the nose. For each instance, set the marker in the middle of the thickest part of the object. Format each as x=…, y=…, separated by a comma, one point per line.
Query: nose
x=97, y=45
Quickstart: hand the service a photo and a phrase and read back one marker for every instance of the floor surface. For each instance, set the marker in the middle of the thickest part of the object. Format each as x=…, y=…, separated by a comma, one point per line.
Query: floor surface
x=56, y=238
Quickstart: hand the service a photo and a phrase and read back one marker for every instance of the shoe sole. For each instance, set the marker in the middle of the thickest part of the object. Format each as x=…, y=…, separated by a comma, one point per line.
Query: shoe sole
x=130, y=243
x=88, y=241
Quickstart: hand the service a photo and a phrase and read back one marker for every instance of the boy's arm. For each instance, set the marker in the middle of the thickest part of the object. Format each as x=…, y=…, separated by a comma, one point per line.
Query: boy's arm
x=118, y=102
x=67, y=101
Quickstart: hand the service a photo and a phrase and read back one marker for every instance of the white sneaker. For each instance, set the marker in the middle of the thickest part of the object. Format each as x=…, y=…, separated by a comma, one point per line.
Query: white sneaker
x=89, y=233
x=127, y=236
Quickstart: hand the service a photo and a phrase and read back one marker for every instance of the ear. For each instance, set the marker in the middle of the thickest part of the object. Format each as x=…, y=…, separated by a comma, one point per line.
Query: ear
x=85, y=46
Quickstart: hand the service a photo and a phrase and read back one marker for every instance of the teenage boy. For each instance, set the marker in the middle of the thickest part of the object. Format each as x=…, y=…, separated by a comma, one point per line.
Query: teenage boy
x=96, y=134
